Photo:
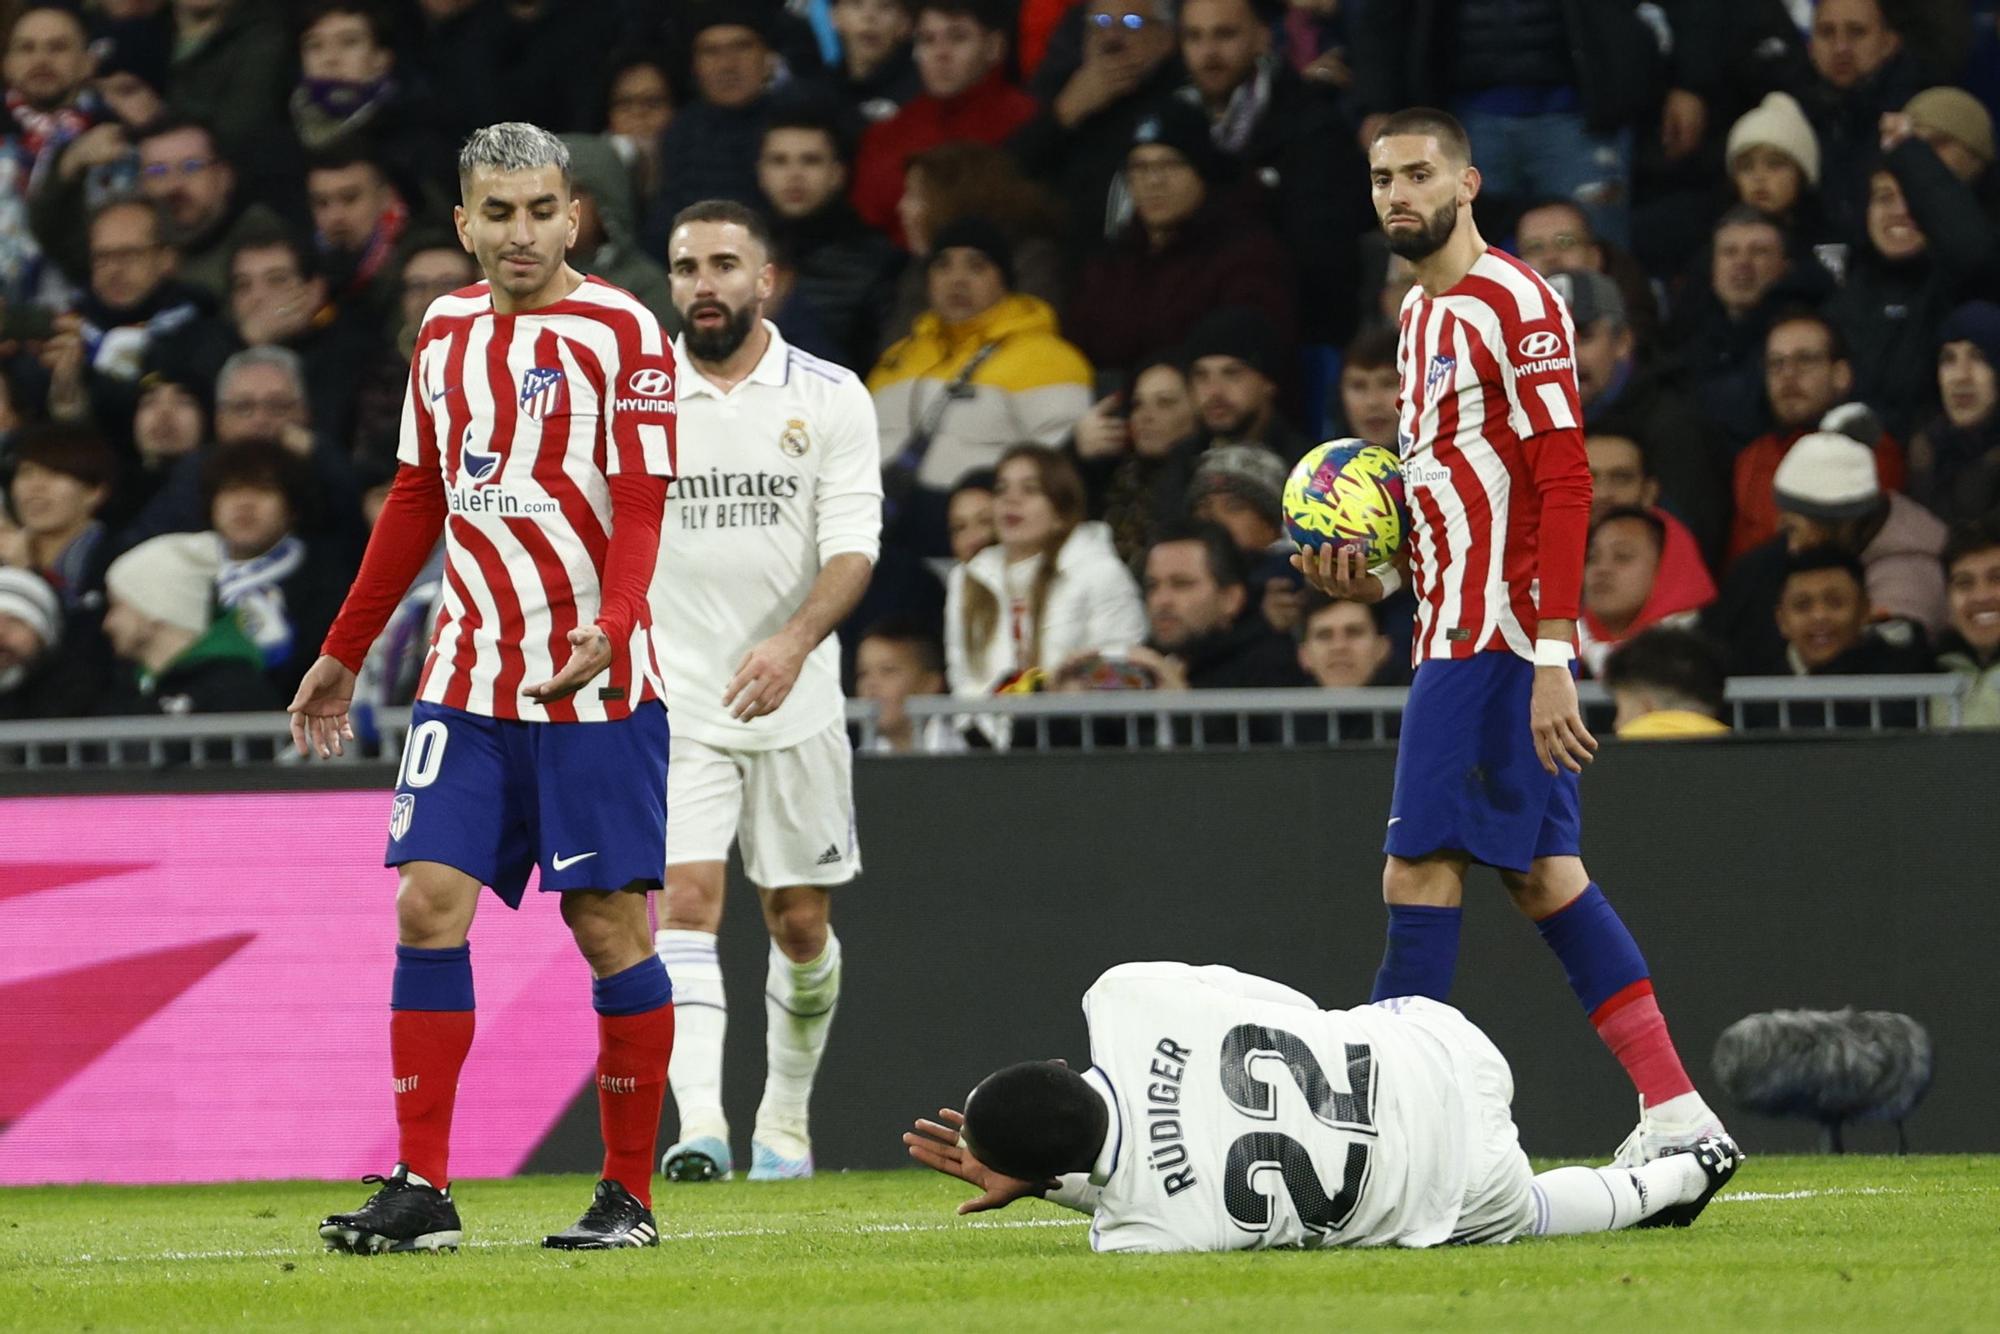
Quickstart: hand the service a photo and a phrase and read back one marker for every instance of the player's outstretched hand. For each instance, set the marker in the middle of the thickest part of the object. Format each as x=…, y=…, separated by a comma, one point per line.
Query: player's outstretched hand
x=1339, y=570
x=765, y=677
x=937, y=1146
x=589, y=654
x=1557, y=721
x=319, y=710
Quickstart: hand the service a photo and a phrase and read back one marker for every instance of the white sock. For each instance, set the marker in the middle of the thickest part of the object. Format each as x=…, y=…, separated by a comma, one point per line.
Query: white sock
x=799, y=1000
x=1686, y=1109
x=701, y=1017
x=1604, y=1199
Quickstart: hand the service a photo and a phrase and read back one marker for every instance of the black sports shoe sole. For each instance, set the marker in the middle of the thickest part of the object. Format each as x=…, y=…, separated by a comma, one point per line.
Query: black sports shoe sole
x=691, y=1167
x=356, y=1241
x=640, y=1234
x=1683, y=1215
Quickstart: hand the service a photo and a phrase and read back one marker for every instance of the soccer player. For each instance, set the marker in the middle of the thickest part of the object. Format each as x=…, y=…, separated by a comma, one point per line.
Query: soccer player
x=1492, y=742
x=538, y=434
x=1224, y=1112
x=774, y=522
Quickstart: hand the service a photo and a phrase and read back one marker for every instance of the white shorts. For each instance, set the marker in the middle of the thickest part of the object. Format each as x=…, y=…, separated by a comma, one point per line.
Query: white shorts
x=1499, y=1202
x=792, y=809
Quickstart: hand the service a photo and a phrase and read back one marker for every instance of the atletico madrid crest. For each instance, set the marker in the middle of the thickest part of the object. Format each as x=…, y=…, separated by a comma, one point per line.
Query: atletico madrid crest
x=401, y=813
x=543, y=392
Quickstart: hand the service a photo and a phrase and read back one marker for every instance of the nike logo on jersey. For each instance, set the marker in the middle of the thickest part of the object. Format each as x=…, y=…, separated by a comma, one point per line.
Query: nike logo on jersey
x=560, y=863
x=448, y=389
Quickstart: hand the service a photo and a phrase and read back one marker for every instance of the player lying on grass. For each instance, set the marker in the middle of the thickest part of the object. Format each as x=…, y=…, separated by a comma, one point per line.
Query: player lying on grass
x=1226, y=1112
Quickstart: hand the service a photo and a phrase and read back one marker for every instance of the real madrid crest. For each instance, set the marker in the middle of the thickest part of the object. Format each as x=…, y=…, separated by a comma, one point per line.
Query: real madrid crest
x=795, y=442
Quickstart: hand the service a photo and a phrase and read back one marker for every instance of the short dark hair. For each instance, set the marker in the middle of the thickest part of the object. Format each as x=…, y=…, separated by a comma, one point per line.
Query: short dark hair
x=1225, y=560
x=1559, y=201
x=1615, y=429
x=726, y=210
x=1672, y=661
x=1746, y=215
x=975, y=479
x=381, y=28
x=1836, y=343
x=797, y=115
x=140, y=202
x=1035, y=1120
x=1442, y=125
x=1317, y=602
x=258, y=463
x=75, y=451
x=170, y=123
x=912, y=634
x=347, y=151
x=276, y=238
x=1645, y=516
x=1971, y=538
x=1371, y=349
x=1826, y=556
x=982, y=12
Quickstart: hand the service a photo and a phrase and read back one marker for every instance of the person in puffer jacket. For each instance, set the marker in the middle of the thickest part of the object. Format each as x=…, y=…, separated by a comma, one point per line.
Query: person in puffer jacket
x=984, y=369
x=1051, y=589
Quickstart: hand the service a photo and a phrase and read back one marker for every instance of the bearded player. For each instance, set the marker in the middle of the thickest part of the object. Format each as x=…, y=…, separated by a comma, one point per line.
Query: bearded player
x=538, y=437
x=773, y=527
x=1225, y=1112
x=1492, y=741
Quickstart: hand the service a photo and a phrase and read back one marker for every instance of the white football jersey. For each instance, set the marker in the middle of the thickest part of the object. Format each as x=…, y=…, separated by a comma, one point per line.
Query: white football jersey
x=1246, y=1117
x=776, y=477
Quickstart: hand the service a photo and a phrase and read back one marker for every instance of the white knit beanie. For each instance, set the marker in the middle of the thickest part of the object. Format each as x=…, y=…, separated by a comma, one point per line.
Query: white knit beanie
x=27, y=597
x=169, y=578
x=1780, y=123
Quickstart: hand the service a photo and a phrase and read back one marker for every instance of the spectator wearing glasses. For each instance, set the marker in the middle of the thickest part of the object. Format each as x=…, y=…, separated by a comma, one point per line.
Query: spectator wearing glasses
x=1554, y=236
x=638, y=107
x=182, y=170
x=709, y=151
x=260, y=394
x=1807, y=373
x=1077, y=142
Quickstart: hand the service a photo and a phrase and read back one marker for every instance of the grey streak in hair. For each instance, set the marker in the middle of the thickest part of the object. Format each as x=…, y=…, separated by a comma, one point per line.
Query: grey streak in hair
x=513, y=145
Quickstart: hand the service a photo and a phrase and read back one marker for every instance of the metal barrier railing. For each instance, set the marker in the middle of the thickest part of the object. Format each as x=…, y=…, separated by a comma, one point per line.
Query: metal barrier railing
x=1108, y=720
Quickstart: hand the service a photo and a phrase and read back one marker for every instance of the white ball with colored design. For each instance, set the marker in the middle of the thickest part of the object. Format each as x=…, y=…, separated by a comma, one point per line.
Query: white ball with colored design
x=1348, y=491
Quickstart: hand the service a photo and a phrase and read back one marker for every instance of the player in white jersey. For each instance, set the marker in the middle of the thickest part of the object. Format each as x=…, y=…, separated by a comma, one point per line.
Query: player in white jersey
x=1225, y=1112
x=773, y=523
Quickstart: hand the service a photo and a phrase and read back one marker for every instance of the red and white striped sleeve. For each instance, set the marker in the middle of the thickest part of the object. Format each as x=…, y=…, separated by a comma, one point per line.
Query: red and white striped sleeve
x=641, y=415
x=1538, y=360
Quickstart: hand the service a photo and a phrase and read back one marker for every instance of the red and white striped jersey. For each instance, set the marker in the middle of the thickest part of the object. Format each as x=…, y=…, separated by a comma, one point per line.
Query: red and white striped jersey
x=1493, y=460
x=527, y=417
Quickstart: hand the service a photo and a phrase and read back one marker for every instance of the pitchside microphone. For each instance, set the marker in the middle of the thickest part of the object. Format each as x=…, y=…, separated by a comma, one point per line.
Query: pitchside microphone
x=1829, y=1066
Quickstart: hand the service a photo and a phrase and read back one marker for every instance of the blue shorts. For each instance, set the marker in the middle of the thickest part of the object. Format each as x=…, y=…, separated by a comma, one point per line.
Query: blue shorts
x=1467, y=778
x=496, y=798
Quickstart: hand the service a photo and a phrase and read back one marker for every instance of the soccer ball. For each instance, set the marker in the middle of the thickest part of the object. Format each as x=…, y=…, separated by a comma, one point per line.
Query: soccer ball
x=1348, y=491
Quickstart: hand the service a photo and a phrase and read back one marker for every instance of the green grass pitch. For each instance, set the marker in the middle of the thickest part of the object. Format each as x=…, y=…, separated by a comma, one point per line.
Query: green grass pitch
x=1794, y=1244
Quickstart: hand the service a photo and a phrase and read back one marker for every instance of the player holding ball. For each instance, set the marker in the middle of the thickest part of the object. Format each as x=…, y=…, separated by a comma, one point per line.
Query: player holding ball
x=1498, y=493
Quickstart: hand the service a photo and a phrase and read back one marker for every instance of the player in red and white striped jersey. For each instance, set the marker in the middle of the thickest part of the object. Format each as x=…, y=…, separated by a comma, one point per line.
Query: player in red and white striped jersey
x=538, y=438
x=1492, y=740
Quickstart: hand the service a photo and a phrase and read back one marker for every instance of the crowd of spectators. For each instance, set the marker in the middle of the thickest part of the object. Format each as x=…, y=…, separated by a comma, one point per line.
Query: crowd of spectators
x=1108, y=268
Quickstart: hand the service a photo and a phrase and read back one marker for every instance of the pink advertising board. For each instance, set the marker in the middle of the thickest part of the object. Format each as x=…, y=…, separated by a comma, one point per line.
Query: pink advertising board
x=196, y=988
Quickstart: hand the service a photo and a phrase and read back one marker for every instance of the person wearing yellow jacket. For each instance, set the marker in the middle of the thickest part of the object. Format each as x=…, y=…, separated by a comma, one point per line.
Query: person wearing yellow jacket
x=985, y=369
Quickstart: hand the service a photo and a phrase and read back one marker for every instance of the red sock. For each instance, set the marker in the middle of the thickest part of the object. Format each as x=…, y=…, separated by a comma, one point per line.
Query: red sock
x=632, y=1052
x=1631, y=1025
x=426, y=1049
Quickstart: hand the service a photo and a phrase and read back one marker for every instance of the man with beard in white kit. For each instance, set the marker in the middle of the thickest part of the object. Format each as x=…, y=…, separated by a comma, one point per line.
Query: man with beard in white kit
x=774, y=521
